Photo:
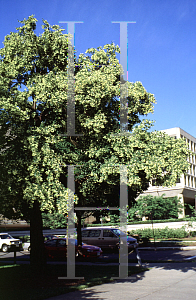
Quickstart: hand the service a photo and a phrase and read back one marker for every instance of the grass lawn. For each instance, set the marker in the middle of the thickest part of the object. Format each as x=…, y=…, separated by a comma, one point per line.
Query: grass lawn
x=18, y=283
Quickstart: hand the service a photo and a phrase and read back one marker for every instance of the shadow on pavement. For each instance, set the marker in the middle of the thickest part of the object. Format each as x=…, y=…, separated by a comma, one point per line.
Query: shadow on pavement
x=178, y=266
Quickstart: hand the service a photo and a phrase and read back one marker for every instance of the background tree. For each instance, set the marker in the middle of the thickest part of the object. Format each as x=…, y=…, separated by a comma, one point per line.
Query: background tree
x=157, y=207
x=33, y=102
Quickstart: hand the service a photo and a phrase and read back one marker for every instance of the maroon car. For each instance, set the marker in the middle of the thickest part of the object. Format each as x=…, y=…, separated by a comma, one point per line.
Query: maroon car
x=57, y=248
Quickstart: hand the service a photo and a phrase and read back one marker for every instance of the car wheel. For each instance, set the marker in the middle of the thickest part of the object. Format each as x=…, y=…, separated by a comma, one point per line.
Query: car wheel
x=29, y=248
x=4, y=248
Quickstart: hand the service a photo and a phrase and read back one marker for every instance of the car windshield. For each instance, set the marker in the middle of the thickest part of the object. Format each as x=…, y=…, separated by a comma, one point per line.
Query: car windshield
x=118, y=232
x=6, y=236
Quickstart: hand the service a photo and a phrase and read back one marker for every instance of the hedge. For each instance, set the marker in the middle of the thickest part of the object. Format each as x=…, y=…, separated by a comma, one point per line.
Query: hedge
x=161, y=233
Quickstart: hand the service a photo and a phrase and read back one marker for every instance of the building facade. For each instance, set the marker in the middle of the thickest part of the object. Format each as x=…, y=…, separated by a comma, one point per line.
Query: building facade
x=185, y=188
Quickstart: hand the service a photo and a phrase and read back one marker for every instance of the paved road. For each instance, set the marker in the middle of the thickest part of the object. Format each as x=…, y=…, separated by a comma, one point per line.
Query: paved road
x=164, y=255
x=174, y=281
x=146, y=255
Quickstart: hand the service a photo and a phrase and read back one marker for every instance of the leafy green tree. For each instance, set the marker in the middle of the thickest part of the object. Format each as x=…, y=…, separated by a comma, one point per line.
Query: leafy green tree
x=54, y=220
x=33, y=118
x=157, y=207
x=102, y=149
x=32, y=100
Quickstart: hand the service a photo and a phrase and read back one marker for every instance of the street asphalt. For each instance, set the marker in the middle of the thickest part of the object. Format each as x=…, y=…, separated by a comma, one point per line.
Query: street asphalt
x=174, y=281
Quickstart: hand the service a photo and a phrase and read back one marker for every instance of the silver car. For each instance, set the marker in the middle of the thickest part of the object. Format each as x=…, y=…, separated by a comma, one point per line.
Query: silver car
x=107, y=238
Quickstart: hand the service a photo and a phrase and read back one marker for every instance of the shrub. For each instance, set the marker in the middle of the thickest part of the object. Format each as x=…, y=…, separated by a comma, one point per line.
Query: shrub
x=161, y=233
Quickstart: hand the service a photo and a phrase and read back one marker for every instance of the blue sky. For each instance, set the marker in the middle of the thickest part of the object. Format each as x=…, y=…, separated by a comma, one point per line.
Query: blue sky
x=161, y=44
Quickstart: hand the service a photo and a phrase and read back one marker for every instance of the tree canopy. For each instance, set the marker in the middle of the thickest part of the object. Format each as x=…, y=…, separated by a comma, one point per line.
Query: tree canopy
x=33, y=119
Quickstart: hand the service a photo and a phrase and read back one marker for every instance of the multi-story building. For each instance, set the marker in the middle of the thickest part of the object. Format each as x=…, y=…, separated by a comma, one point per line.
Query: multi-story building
x=185, y=188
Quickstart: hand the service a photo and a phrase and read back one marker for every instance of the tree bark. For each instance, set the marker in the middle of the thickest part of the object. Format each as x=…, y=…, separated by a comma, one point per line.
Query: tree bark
x=79, y=232
x=37, y=255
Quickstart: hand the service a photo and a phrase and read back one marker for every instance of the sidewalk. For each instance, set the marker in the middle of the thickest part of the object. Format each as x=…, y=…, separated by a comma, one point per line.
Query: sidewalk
x=174, y=281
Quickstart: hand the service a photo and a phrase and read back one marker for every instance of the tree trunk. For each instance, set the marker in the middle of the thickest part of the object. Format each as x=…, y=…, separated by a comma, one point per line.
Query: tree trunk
x=79, y=232
x=98, y=219
x=37, y=256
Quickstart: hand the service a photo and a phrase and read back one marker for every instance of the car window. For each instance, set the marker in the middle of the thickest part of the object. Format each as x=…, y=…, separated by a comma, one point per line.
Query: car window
x=108, y=233
x=6, y=236
x=94, y=233
x=85, y=233
x=61, y=243
x=51, y=243
x=118, y=232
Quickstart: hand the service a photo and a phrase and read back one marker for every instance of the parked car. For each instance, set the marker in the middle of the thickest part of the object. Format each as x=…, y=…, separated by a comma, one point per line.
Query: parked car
x=57, y=248
x=27, y=246
x=107, y=238
x=48, y=237
x=7, y=242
